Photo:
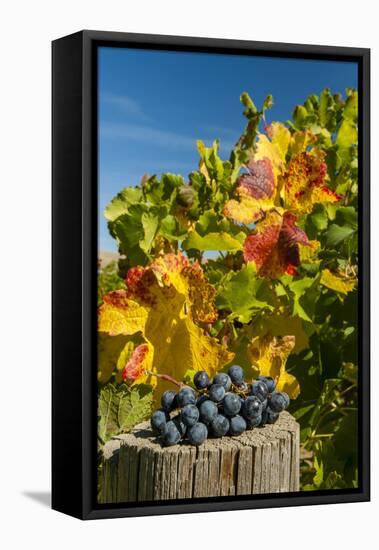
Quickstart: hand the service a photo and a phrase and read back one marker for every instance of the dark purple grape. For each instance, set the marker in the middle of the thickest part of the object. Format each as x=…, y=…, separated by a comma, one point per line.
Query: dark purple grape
x=201, y=380
x=197, y=433
x=223, y=379
x=208, y=411
x=270, y=382
x=252, y=407
x=254, y=422
x=269, y=417
x=186, y=396
x=278, y=402
x=220, y=425
x=189, y=415
x=159, y=420
x=172, y=434
x=287, y=399
x=236, y=375
x=216, y=392
x=169, y=400
x=231, y=404
x=259, y=388
x=237, y=425
x=201, y=400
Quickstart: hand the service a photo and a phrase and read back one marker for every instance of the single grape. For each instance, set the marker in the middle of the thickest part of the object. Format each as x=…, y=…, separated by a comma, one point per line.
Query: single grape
x=272, y=416
x=269, y=417
x=220, y=425
x=278, y=402
x=236, y=374
x=208, y=411
x=201, y=400
x=237, y=425
x=223, y=379
x=216, y=392
x=201, y=380
x=231, y=404
x=259, y=388
x=270, y=382
x=189, y=415
x=186, y=396
x=172, y=435
x=287, y=399
x=159, y=420
x=197, y=433
x=254, y=422
x=169, y=400
x=252, y=407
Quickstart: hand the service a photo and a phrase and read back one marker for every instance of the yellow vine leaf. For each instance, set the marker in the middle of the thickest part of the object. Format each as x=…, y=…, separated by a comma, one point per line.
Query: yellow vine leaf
x=256, y=189
x=308, y=253
x=274, y=182
x=266, y=149
x=280, y=137
x=109, y=349
x=337, y=282
x=304, y=183
x=124, y=357
x=120, y=315
x=280, y=323
x=247, y=210
x=270, y=354
x=300, y=140
x=173, y=295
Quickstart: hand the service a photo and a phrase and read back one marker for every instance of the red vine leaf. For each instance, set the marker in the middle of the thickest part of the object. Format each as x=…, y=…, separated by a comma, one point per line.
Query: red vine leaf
x=273, y=247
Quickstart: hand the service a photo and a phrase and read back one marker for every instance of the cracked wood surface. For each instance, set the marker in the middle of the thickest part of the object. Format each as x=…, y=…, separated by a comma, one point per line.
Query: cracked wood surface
x=137, y=468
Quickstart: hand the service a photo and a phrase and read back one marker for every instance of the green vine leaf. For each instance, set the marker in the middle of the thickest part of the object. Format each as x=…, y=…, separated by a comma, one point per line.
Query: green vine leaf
x=244, y=293
x=122, y=407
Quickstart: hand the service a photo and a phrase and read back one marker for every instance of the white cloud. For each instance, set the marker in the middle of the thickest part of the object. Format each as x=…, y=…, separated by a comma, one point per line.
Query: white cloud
x=126, y=104
x=154, y=136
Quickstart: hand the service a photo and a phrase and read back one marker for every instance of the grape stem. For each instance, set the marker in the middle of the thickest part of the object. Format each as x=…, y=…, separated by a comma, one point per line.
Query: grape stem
x=166, y=377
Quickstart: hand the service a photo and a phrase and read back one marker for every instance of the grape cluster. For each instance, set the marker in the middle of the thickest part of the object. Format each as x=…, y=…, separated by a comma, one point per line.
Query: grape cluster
x=225, y=405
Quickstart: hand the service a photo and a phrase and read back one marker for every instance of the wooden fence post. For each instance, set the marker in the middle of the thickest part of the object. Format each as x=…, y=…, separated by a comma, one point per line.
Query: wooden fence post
x=263, y=460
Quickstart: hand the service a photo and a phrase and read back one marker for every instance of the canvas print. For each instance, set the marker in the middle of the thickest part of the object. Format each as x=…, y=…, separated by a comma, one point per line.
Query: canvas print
x=227, y=275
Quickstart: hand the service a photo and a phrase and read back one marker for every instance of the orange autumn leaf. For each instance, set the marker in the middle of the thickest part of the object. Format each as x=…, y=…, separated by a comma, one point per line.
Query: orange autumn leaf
x=274, y=245
x=174, y=271
x=164, y=297
x=274, y=181
x=121, y=315
x=256, y=190
x=135, y=370
x=338, y=281
x=304, y=183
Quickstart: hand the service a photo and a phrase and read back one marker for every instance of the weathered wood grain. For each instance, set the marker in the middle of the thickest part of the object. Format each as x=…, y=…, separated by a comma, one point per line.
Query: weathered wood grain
x=137, y=468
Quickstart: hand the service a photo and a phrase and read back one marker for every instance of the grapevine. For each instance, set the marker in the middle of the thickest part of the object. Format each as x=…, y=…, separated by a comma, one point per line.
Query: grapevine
x=248, y=263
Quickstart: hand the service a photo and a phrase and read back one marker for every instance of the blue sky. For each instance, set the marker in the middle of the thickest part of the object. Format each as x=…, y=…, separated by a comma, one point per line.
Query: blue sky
x=154, y=105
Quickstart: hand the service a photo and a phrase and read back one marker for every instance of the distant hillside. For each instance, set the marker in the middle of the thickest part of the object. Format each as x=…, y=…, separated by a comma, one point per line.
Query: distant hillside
x=106, y=257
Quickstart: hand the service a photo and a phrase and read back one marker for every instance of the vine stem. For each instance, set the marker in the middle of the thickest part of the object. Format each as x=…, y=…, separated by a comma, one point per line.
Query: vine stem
x=166, y=377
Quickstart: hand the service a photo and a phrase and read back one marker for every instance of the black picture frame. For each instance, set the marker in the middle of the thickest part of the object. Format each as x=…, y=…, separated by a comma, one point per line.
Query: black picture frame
x=74, y=272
